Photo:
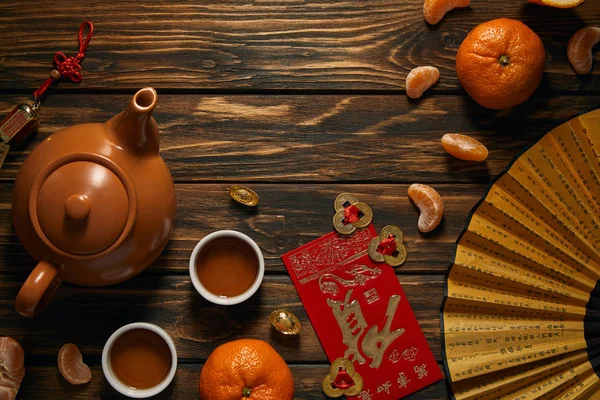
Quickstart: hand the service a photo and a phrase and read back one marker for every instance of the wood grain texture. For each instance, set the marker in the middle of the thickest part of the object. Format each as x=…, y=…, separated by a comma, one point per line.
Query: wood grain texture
x=274, y=44
x=288, y=217
x=298, y=99
x=88, y=316
x=385, y=139
x=39, y=381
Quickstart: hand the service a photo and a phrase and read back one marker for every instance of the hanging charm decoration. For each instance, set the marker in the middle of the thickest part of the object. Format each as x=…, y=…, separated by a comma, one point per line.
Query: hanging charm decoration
x=342, y=379
x=350, y=214
x=388, y=247
x=23, y=120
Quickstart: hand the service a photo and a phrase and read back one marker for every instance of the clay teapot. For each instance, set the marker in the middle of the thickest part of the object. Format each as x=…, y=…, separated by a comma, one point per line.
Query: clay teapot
x=94, y=204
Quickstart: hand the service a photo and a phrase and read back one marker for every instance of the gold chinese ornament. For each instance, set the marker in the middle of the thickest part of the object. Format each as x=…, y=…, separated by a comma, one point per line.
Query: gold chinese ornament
x=388, y=247
x=285, y=322
x=342, y=379
x=244, y=195
x=350, y=214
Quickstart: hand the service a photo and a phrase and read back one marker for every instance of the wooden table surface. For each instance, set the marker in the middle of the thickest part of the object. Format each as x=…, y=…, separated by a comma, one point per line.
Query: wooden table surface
x=300, y=100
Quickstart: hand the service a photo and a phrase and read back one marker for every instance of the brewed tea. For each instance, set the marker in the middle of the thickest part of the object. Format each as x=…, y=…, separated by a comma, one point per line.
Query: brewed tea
x=227, y=267
x=140, y=359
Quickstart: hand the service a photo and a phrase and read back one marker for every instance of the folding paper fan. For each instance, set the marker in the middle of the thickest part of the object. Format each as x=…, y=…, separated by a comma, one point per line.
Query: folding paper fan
x=521, y=314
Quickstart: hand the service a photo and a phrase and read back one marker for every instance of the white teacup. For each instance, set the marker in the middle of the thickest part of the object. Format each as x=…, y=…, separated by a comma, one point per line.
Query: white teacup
x=121, y=387
x=234, y=299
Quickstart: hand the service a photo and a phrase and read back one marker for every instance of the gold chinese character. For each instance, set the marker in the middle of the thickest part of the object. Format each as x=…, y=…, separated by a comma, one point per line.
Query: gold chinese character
x=371, y=296
x=365, y=395
x=350, y=318
x=376, y=342
x=410, y=354
x=421, y=371
x=384, y=387
x=394, y=356
x=402, y=380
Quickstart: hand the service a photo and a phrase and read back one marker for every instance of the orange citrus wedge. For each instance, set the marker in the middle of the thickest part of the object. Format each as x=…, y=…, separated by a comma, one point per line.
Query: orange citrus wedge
x=558, y=3
x=434, y=10
x=430, y=204
x=579, y=49
x=71, y=366
x=419, y=80
x=464, y=147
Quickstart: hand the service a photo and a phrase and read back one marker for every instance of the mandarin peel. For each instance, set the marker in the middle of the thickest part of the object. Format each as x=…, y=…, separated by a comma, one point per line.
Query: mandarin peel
x=430, y=204
x=434, y=10
x=71, y=366
x=464, y=147
x=245, y=368
x=12, y=368
x=500, y=63
x=579, y=49
x=420, y=79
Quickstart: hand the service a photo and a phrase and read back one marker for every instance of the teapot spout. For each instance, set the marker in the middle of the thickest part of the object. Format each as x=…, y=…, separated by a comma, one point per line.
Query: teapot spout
x=134, y=129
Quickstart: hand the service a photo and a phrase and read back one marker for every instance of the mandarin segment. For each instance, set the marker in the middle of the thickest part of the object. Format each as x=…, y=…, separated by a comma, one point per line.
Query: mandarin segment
x=500, y=63
x=12, y=367
x=430, y=204
x=420, y=79
x=246, y=368
x=71, y=366
x=558, y=3
x=464, y=147
x=579, y=49
x=434, y=10
x=7, y=393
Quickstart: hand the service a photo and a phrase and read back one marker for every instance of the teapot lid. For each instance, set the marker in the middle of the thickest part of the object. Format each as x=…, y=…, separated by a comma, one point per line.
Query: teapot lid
x=82, y=205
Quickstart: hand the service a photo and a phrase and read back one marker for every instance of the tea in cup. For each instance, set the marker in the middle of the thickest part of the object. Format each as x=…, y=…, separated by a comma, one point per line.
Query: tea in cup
x=139, y=360
x=227, y=267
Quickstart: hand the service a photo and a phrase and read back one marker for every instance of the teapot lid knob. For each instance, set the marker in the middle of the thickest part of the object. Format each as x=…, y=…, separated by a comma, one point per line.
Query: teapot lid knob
x=77, y=207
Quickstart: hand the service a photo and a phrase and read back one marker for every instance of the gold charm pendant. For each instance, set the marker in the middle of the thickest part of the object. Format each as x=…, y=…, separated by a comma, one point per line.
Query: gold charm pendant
x=350, y=214
x=388, y=247
x=342, y=379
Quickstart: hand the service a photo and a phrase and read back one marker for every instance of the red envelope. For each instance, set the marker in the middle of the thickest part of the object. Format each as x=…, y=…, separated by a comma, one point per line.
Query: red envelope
x=360, y=312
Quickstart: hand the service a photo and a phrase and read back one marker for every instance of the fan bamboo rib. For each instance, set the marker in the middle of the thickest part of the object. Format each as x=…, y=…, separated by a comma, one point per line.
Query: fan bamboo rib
x=521, y=316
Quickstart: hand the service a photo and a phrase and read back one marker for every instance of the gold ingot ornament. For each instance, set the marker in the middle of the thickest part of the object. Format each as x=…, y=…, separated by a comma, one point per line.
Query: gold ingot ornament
x=285, y=322
x=244, y=195
x=342, y=379
x=388, y=247
x=350, y=214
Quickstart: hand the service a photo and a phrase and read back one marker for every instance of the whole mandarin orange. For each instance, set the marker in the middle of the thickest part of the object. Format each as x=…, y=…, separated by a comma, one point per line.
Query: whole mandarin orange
x=246, y=369
x=500, y=63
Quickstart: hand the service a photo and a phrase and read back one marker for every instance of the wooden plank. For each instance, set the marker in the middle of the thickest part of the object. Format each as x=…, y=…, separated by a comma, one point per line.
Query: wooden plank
x=385, y=139
x=46, y=383
x=278, y=44
x=88, y=316
x=288, y=217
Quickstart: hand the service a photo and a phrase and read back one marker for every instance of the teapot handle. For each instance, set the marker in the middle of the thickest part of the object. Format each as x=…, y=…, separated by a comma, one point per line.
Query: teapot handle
x=38, y=289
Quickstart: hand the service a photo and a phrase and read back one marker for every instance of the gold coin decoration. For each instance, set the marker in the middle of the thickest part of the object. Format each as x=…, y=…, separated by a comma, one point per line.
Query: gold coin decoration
x=340, y=204
x=285, y=322
x=345, y=367
x=244, y=195
x=344, y=200
x=394, y=260
x=338, y=224
x=372, y=250
x=357, y=387
x=394, y=230
x=367, y=215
